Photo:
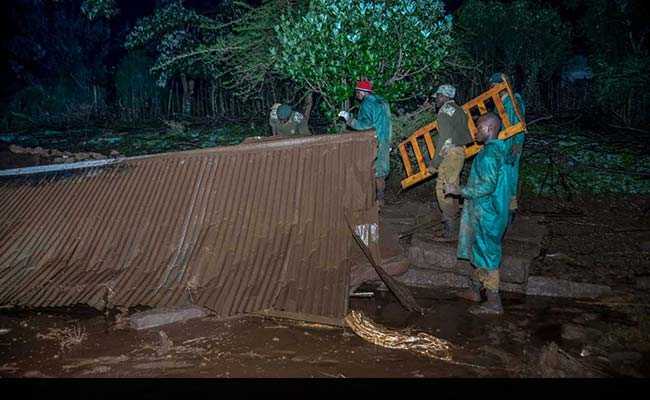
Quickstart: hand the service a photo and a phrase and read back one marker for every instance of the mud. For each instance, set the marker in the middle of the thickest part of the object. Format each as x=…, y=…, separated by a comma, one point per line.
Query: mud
x=536, y=337
x=507, y=346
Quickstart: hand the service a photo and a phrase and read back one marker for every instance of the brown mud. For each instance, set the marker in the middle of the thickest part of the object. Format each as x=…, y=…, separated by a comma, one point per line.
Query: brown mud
x=604, y=241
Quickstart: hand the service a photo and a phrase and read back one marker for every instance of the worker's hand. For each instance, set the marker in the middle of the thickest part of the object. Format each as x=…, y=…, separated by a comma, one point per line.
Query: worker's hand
x=432, y=170
x=452, y=188
x=345, y=115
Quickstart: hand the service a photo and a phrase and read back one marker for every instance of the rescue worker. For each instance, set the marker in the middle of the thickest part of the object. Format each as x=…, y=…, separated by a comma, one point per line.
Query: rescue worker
x=453, y=135
x=284, y=120
x=485, y=216
x=374, y=113
x=515, y=143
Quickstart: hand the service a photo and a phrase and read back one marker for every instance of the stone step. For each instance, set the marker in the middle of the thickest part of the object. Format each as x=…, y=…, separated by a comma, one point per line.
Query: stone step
x=442, y=256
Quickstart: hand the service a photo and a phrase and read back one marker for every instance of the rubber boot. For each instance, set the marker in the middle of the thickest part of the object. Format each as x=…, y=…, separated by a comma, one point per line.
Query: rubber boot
x=491, y=306
x=472, y=293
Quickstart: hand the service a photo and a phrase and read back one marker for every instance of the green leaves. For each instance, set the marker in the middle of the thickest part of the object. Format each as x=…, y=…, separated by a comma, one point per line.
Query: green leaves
x=523, y=32
x=99, y=8
x=572, y=162
x=393, y=43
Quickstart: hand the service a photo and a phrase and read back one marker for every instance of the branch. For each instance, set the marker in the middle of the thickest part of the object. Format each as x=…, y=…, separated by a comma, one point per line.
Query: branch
x=191, y=54
x=629, y=128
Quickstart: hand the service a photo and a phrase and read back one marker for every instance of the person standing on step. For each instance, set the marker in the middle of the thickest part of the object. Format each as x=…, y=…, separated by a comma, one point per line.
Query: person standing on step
x=453, y=135
x=485, y=216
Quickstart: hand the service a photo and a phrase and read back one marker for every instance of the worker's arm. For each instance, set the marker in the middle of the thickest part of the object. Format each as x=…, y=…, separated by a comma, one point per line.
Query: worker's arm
x=303, y=127
x=444, y=129
x=487, y=183
x=364, y=120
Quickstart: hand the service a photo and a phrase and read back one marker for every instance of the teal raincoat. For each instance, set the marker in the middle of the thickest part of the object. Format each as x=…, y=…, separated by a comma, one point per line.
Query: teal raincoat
x=485, y=212
x=375, y=114
x=515, y=143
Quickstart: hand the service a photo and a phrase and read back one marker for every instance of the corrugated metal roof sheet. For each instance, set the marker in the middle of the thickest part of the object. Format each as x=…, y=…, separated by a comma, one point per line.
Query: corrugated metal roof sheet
x=235, y=229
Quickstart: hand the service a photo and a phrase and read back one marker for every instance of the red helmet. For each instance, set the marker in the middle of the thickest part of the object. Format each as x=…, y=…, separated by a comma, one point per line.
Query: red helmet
x=364, y=85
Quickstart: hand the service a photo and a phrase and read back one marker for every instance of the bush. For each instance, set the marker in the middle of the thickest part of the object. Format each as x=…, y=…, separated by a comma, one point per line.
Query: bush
x=396, y=44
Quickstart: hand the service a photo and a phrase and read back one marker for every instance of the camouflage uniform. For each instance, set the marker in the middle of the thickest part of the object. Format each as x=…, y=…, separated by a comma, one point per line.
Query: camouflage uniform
x=295, y=125
x=453, y=135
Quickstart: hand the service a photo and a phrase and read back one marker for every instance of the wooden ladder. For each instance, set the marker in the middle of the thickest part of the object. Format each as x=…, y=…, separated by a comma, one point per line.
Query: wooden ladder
x=424, y=134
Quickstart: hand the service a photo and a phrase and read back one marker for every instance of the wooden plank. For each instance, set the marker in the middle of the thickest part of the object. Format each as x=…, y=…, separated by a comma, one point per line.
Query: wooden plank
x=418, y=154
x=430, y=147
x=301, y=317
x=405, y=159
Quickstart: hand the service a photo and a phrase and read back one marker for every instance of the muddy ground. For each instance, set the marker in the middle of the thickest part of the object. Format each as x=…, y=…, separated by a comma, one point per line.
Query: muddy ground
x=604, y=241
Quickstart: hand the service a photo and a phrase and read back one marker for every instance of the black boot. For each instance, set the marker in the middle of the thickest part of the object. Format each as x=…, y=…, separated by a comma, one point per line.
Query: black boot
x=491, y=306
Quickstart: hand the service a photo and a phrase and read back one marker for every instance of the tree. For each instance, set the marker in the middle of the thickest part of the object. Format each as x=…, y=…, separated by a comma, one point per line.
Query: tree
x=397, y=44
x=616, y=34
x=522, y=34
x=178, y=34
x=138, y=95
x=57, y=57
x=99, y=8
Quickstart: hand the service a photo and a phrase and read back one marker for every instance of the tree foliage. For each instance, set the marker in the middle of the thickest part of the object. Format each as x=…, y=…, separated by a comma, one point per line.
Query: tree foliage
x=232, y=46
x=56, y=57
x=99, y=8
x=502, y=36
x=397, y=44
x=616, y=34
x=136, y=90
x=178, y=35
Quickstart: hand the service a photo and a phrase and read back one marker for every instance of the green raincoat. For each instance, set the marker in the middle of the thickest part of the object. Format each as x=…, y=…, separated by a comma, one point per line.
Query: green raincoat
x=485, y=213
x=375, y=114
x=515, y=143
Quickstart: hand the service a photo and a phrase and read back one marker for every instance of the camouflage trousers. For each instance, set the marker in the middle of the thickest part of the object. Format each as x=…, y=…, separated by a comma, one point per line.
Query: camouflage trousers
x=449, y=172
x=488, y=279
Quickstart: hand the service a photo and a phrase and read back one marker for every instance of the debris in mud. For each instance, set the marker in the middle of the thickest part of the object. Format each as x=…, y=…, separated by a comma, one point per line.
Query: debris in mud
x=557, y=363
x=578, y=332
x=9, y=368
x=566, y=259
x=100, y=361
x=102, y=369
x=166, y=345
x=67, y=337
x=4, y=331
x=169, y=364
x=160, y=316
x=35, y=374
x=544, y=286
x=420, y=342
x=121, y=319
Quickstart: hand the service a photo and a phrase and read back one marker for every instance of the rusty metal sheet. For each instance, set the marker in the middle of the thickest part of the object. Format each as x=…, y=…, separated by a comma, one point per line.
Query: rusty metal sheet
x=256, y=227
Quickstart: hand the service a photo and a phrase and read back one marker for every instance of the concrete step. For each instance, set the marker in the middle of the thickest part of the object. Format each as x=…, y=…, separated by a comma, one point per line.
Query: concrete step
x=442, y=256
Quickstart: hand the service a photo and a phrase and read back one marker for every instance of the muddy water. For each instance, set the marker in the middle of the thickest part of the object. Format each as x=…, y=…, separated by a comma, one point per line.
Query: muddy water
x=506, y=346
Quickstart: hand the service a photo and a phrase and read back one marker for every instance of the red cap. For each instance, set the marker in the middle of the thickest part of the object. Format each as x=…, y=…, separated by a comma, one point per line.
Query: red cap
x=364, y=85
